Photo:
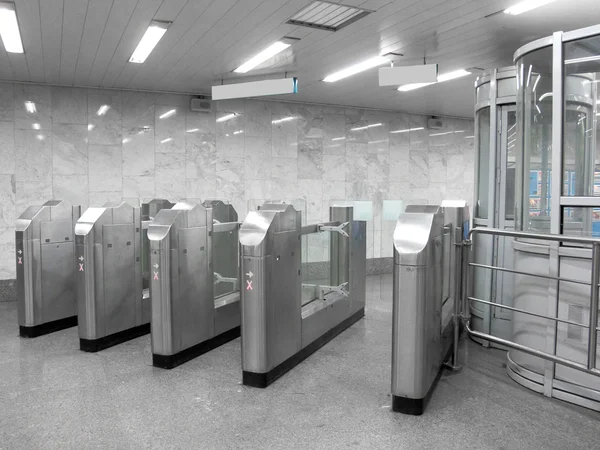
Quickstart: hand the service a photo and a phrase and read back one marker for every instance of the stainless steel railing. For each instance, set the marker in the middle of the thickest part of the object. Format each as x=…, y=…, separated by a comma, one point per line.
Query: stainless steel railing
x=469, y=265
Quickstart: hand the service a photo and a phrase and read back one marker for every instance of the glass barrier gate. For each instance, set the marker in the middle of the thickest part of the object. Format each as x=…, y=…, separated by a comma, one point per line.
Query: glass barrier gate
x=289, y=310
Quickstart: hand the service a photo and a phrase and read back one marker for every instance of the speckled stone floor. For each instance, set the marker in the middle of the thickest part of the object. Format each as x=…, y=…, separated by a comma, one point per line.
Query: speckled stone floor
x=54, y=396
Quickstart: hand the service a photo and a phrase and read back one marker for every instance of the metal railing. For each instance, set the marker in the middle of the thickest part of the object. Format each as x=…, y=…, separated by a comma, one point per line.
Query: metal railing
x=469, y=265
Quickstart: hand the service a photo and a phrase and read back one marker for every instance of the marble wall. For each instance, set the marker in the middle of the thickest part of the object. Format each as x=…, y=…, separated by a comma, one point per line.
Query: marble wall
x=89, y=146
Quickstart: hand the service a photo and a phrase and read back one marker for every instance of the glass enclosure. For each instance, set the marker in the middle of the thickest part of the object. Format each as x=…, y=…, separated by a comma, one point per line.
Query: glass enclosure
x=483, y=166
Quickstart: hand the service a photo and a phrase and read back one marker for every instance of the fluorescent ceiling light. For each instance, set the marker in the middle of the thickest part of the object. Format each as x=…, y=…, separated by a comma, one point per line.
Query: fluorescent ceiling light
x=407, y=130
x=526, y=5
x=441, y=78
x=356, y=68
x=153, y=34
x=102, y=110
x=267, y=53
x=36, y=126
x=9, y=28
x=227, y=117
x=338, y=139
x=164, y=141
x=285, y=119
x=367, y=126
x=30, y=107
x=167, y=114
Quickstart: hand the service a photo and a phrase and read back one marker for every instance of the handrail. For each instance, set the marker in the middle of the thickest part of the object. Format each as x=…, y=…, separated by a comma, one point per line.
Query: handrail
x=594, y=283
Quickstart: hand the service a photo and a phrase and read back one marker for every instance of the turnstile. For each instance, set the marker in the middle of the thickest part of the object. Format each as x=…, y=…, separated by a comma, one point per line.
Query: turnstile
x=111, y=304
x=149, y=212
x=45, y=260
x=426, y=300
x=279, y=327
x=195, y=281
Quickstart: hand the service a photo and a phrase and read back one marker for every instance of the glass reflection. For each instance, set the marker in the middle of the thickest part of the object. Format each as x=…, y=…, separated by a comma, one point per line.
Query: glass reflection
x=483, y=170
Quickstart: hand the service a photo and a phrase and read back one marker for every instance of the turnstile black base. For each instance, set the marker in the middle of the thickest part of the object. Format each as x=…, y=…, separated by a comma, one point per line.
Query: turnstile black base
x=49, y=327
x=416, y=406
x=95, y=345
x=172, y=361
x=262, y=380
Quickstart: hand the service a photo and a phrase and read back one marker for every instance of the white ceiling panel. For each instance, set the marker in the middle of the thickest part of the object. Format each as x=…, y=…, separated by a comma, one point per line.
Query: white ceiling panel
x=89, y=42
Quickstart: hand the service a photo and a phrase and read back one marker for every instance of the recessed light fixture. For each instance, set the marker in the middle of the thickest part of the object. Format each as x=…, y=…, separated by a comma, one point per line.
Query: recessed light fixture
x=102, y=110
x=407, y=130
x=9, y=28
x=285, y=119
x=260, y=58
x=356, y=68
x=30, y=107
x=441, y=78
x=367, y=126
x=36, y=126
x=227, y=117
x=526, y=5
x=153, y=34
x=167, y=114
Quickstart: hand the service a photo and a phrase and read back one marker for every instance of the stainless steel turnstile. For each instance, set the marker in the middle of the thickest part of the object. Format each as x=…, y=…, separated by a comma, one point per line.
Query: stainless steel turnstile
x=426, y=300
x=279, y=327
x=195, y=281
x=111, y=306
x=149, y=212
x=45, y=260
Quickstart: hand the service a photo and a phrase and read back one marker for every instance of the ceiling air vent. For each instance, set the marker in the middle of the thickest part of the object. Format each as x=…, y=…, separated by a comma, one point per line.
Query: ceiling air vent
x=327, y=16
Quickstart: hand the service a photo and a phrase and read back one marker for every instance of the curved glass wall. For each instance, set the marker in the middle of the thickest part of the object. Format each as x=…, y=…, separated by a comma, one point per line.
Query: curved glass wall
x=558, y=191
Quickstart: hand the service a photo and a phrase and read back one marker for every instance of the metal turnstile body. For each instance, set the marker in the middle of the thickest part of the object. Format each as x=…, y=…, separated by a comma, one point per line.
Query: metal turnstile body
x=45, y=261
x=278, y=330
x=426, y=299
x=195, y=308
x=149, y=212
x=111, y=304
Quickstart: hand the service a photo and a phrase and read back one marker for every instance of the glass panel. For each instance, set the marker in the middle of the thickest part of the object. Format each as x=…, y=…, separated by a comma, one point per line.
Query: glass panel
x=483, y=178
x=581, y=222
x=225, y=261
x=483, y=93
x=582, y=73
x=363, y=210
x=534, y=103
x=392, y=209
x=316, y=265
x=511, y=140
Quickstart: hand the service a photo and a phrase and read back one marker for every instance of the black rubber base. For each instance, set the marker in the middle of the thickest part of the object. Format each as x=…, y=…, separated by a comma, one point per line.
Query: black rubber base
x=416, y=406
x=95, y=345
x=171, y=361
x=49, y=327
x=262, y=380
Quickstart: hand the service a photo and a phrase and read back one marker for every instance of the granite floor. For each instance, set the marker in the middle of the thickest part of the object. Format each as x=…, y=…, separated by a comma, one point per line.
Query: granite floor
x=54, y=396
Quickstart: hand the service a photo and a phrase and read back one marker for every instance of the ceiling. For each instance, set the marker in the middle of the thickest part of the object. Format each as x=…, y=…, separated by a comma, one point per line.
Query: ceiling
x=89, y=42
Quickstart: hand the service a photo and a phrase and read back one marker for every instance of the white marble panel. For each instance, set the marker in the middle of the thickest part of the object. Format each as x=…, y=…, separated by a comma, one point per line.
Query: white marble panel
x=258, y=119
x=98, y=199
x=334, y=167
x=312, y=193
x=105, y=168
x=138, y=186
x=41, y=116
x=179, y=100
x=378, y=170
x=201, y=122
x=201, y=154
x=356, y=162
x=203, y=188
x=231, y=145
x=398, y=191
x=333, y=190
x=235, y=105
x=138, y=109
x=230, y=178
x=170, y=176
x=334, y=134
x=284, y=109
x=437, y=165
x=285, y=136
x=7, y=147
x=285, y=169
x=310, y=159
x=258, y=189
x=69, y=105
x=436, y=192
x=138, y=151
x=419, y=168
x=69, y=149
x=257, y=162
x=33, y=155
x=7, y=254
x=170, y=133
x=104, y=117
x=455, y=170
x=357, y=190
x=8, y=200
x=72, y=189
x=7, y=101
x=30, y=193
x=399, y=164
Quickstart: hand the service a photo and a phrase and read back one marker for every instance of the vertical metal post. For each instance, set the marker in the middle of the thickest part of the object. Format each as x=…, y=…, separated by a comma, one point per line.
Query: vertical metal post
x=593, y=334
x=457, y=294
